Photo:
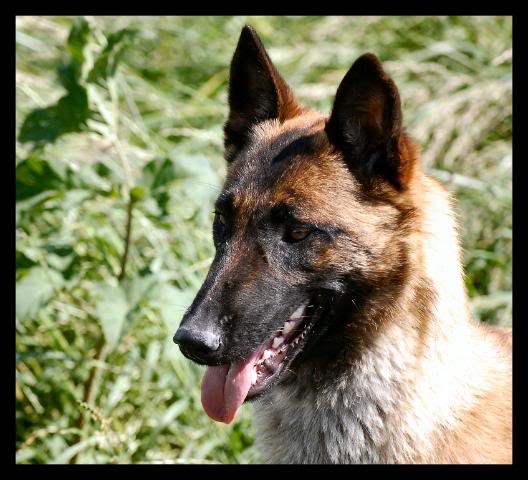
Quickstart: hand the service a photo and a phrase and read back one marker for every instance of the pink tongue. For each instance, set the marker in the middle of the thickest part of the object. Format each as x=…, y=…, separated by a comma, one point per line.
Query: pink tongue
x=224, y=388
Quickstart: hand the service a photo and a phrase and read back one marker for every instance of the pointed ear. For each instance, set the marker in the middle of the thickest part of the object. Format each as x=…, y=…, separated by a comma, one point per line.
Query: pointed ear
x=257, y=92
x=366, y=123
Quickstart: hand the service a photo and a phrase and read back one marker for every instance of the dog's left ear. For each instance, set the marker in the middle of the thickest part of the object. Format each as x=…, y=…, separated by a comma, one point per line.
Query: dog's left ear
x=257, y=92
x=366, y=124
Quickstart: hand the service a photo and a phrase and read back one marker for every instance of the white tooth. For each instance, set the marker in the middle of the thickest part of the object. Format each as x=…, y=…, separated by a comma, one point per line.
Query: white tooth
x=288, y=327
x=253, y=376
x=267, y=354
x=298, y=313
x=277, y=342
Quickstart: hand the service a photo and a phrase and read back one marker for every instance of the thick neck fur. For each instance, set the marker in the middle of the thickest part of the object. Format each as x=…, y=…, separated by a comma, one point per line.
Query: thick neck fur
x=415, y=393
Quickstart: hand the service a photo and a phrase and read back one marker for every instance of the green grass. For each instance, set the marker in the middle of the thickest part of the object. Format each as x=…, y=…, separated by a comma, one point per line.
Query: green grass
x=91, y=136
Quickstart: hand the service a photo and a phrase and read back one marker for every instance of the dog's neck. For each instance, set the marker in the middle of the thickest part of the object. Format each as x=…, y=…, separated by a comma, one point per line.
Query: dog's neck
x=406, y=386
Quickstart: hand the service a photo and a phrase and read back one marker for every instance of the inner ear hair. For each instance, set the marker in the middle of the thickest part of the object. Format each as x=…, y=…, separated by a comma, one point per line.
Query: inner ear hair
x=366, y=122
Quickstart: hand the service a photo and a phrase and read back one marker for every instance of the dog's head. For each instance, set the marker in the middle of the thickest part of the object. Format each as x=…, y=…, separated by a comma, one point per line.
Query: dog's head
x=309, y=228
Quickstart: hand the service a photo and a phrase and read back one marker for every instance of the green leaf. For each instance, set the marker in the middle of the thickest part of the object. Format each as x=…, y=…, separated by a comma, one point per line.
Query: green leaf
x=35, y=204
x=23, y=261
x=25, y=454
x=112, y=307
x=87, y=178
x=34, y=291
x=172, y=304
x=200, y=185
x=159, y=172
x=69, y=114
x=35, y=175
x=59, y=256
x=118, y=391
x=77, y=40
x=138, y=287
x=173, y=412
x=157, y=176
x=106, y=63
x=65, y=456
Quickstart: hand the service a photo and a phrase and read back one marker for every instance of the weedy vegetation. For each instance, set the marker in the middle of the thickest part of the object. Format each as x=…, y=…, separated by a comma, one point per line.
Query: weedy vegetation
x=118, y=162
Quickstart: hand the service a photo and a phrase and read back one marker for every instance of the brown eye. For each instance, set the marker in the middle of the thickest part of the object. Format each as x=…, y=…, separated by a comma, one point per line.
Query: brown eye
x=298, y=234
x=220, y=217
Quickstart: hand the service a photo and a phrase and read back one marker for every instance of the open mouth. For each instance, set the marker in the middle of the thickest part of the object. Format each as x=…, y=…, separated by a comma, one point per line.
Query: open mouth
x=226, y=387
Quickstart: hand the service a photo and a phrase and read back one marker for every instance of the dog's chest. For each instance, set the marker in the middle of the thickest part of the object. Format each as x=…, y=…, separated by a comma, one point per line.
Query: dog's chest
x=289, y=432
x=346, y=422
x=328, y=427
x=355, y=418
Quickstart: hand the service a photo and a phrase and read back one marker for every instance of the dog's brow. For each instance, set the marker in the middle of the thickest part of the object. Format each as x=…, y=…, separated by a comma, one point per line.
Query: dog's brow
x=224, y=201
x=304, y=144
x=283, y=211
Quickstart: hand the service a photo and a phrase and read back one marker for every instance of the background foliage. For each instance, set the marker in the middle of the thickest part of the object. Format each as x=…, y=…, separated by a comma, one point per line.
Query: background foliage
x=118, y=115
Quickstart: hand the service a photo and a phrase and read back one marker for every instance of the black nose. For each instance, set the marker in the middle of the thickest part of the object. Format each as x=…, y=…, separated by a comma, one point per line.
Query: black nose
x=198, y=342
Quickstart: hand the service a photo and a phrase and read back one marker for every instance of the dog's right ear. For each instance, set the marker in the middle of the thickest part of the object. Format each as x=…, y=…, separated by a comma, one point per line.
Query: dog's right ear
x=257, y=92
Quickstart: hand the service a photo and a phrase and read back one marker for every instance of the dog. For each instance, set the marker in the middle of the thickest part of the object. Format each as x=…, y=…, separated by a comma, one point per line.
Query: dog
x=335, y=301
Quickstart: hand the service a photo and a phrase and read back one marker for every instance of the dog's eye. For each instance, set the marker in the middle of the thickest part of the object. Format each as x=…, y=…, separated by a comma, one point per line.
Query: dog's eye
x=219, y=228
x=220, y=217
x=297, y=234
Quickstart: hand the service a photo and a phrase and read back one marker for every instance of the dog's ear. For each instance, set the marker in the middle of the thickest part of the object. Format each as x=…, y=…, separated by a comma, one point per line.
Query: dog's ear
x=366, y=124
x=257, y=92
